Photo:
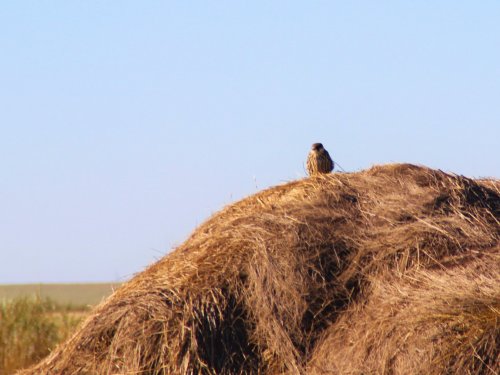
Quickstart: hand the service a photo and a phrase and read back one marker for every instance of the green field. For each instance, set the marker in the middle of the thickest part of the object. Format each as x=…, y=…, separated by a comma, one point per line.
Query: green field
x=31, y=327
x=34, y=318
x=63, y=294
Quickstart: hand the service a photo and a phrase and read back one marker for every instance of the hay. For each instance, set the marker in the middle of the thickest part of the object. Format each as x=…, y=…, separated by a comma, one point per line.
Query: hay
x=371, y=272
x=430, y=322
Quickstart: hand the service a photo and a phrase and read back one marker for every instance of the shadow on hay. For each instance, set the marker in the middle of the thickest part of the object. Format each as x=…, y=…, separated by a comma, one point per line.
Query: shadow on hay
x=281, y=281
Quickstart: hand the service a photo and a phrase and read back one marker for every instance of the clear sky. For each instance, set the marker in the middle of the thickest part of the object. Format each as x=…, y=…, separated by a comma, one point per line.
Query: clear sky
x=125, y=124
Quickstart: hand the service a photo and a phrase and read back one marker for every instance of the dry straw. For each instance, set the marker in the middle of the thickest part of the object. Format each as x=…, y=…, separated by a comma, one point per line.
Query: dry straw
x=392, y=270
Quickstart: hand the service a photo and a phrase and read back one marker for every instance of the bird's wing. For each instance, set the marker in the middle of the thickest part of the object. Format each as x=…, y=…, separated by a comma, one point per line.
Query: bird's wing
x=330, y=161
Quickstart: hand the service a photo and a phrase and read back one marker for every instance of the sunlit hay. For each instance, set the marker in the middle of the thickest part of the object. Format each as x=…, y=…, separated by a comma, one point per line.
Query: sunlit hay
x=261, y=283
x=441, y=321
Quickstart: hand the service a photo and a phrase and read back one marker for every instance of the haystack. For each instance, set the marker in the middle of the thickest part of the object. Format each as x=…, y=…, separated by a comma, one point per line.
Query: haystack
x=390, y=270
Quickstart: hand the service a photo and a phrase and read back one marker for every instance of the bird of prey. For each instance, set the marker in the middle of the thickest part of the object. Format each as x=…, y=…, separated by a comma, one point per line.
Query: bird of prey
x=318, y=160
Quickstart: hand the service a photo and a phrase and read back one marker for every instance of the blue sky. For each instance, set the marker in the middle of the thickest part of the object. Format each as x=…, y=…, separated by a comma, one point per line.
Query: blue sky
x=125, y=124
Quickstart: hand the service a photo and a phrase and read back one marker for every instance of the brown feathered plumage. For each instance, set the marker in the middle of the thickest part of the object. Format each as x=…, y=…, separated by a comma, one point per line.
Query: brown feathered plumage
x=318, y=160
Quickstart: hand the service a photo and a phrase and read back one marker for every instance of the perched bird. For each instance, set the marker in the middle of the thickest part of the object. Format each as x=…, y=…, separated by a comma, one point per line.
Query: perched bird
x=318, y=160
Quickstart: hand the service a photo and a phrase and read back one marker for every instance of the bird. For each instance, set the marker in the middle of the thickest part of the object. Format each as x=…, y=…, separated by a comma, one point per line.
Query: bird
x=319, y=160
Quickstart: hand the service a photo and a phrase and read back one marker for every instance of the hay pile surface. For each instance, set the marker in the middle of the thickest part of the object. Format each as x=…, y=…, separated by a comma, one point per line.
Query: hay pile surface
x=394, y=270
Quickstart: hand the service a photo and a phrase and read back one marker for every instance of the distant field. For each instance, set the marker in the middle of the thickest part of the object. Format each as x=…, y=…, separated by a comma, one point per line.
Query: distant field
x=64, y=294
x=30, y=328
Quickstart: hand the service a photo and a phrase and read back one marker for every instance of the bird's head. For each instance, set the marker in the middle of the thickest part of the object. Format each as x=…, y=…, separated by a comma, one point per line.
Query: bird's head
x=317, y=146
